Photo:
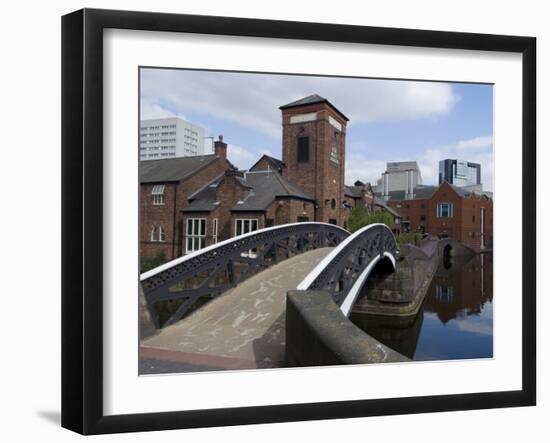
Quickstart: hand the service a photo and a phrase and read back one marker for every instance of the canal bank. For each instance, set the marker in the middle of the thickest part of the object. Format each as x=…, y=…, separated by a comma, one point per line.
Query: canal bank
x=401, y=293
x=446, y=313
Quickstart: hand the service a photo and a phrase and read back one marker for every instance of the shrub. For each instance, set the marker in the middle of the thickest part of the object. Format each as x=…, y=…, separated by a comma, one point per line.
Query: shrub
x=361, y=217
x=408, y=237
x=148, y=263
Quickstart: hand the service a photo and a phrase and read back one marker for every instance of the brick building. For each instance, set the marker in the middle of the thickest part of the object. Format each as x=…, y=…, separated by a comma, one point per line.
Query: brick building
x=362, y=194
x=447, y=211
x=165, y=186
x=314, y=140
x=238, y=202
x=191, y=202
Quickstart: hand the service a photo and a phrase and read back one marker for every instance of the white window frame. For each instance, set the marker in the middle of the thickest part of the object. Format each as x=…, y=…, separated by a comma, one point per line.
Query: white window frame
x=195, y=240
x=450, y=210
x=215, y=230
x=242, y=220
x=162, y=234
x=153, y=236
x=252, y=252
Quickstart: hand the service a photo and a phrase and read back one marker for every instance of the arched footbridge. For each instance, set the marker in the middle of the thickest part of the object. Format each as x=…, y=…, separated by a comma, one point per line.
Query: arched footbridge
x=224, y=306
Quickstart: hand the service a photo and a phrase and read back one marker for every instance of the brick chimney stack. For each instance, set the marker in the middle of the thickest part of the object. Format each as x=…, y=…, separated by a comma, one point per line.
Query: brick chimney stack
x=220, y=148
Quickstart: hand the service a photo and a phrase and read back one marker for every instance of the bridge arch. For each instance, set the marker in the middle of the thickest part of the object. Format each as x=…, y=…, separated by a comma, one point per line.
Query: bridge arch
x=346, y=268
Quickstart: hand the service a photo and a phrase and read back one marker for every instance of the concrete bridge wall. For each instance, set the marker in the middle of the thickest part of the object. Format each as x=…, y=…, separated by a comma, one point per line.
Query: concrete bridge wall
x=318, y=333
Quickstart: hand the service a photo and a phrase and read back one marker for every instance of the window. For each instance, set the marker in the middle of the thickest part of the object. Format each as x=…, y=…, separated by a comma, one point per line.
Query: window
x=473, y=218
x=269, y=222
x=333, y=204
x=158, y=194
x=444, y=294
x=243, y=226
x=196, y=234
x=162, y=234
x=302, y=219
x=303, y=149
x=333, y=221
x=153, y=234
x=215, y=230
x=444, y=210
x=422, y=218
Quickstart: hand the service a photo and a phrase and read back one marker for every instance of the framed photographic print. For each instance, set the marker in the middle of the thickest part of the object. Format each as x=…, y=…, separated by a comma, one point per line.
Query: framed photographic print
x=269, y=221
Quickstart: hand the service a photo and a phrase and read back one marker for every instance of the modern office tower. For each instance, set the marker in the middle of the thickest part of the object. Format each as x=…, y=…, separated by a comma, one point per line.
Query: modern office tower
x=169, y=138
x=399, y=176
x=459, y=172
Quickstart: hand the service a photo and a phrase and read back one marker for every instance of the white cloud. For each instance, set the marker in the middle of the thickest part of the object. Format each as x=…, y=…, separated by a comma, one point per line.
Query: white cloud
x=150, y=110
x=243, y=158
x=361, y=167
x=253, y=100
x=476, y=143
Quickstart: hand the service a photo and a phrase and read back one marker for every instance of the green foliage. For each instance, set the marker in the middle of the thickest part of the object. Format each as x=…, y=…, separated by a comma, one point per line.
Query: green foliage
x=361, y=217
x=148, y=263
x=409, y=237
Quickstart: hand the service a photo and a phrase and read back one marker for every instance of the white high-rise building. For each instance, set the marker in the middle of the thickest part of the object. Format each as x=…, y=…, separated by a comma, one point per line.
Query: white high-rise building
x=400, y=176
x=169, y=138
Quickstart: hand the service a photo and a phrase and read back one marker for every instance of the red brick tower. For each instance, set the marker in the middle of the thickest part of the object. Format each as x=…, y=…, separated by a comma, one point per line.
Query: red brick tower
x=314, y=141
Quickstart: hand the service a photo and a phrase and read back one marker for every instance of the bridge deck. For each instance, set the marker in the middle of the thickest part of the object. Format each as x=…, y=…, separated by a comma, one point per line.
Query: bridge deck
x=243, y=328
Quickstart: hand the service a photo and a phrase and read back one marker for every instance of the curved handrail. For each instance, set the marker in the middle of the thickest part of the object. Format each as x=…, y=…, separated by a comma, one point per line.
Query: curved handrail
x=212, y=270
x=344, y=270
x=187, y=257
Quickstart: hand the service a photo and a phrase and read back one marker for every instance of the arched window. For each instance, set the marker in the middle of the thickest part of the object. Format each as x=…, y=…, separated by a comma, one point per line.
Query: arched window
x=162, y=234
x=153, y=233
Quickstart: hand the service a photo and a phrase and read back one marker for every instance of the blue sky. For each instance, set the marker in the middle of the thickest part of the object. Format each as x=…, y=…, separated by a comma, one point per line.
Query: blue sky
x=390, y=120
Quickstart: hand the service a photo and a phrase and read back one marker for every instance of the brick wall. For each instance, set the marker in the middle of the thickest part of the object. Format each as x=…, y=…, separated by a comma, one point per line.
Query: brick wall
x=320, y=177
x=169, y=215
x=464, y=226
x=263, y=165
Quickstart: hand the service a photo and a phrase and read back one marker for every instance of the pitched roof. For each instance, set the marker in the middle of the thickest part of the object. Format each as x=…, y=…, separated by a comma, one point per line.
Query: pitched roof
x=311, y=100
x=353, y=191
x=382, y=204
x=277, y=164
x=172, y=169
x=265, y=187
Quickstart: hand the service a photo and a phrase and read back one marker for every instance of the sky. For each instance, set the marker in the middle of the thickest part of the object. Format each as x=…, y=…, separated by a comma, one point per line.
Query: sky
x=390, y=120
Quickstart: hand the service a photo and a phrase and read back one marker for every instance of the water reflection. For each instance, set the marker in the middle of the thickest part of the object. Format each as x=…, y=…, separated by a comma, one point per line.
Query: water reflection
x=456, y=318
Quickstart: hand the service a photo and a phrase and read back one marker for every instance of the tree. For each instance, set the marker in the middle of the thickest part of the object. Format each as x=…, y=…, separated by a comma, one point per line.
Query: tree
x=361, y=217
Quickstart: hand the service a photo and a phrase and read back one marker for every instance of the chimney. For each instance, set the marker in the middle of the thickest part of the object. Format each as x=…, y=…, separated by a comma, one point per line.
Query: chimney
x=220, y=148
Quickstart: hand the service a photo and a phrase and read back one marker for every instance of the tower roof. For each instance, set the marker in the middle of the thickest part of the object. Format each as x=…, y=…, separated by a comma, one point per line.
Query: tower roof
x=312, y=100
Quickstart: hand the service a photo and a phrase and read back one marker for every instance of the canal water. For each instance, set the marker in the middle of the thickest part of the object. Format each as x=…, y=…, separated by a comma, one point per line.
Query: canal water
x=455, y=320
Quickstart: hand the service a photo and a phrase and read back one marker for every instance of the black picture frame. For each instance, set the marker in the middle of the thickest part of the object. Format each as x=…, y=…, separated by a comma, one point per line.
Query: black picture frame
x=82, y=217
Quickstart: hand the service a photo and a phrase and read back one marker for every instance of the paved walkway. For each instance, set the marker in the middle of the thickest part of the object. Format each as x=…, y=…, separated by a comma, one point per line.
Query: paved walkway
x=243, y=328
